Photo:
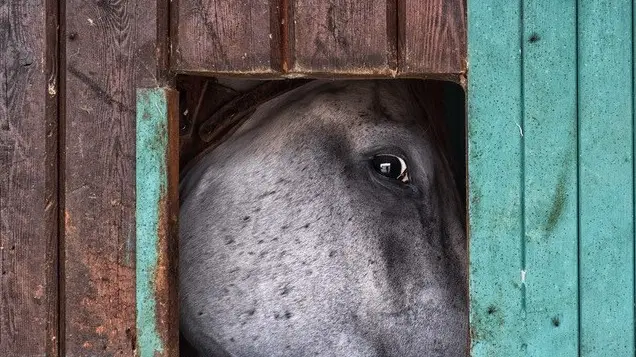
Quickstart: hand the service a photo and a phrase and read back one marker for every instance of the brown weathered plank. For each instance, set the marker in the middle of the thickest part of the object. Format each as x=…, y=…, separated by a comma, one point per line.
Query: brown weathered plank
x=350, y=37
x=432, y=37
x=28, y=179
x=111, y=48
x=344, y=37
x=225, y=36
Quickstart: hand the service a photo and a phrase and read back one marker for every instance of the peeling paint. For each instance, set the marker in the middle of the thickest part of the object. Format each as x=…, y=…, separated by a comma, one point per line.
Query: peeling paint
x=155, y=317
x=150, y=185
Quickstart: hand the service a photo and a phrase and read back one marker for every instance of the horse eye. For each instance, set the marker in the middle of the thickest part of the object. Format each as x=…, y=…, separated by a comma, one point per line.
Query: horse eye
x=391, y=166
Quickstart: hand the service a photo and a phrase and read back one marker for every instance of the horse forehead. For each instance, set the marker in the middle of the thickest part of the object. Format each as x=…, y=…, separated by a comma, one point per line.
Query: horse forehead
x=363, y=107
x=386, y=99
x=344, y=117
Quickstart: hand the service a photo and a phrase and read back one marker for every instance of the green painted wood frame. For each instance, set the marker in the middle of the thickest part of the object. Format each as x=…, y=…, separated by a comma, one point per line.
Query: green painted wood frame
x=157, y=209
x=551, y=177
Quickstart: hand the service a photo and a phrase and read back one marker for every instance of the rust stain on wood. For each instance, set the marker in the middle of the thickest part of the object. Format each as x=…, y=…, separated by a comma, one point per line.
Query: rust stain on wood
x=157, y=182
x=102, y=328
x=166, y=283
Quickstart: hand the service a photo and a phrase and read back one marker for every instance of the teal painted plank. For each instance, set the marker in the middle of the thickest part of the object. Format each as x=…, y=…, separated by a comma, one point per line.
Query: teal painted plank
x=550, y=177
x=156, y=203
x=494, y=171
x=606, y=178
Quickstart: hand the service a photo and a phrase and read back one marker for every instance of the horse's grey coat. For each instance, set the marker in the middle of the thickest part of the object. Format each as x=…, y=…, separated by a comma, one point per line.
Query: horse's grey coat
x=293, y=245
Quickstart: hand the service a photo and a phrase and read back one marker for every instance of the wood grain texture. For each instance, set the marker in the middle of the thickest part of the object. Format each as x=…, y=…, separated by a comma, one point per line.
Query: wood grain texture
x=28, y=179
x=111, y=47
x=432, y=36
x=343, y=36
x=224, y=36
x=606, y=194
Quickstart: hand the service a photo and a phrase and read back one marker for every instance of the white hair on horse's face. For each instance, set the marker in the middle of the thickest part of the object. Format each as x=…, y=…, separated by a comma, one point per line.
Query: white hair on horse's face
x=300, y=236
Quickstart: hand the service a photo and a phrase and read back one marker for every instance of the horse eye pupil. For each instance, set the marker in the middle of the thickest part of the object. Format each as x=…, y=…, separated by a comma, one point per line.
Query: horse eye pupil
x=389, y=165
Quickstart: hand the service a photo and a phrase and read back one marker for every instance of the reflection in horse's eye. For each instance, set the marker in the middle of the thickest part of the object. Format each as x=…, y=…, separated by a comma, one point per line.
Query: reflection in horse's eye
x=391, y=166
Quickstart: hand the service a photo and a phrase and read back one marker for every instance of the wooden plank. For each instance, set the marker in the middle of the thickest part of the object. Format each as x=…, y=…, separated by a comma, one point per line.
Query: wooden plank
x=241, y=37
x=157, y=182
x=550, y=178
x=606, y=191
x=28, y=179
x=336, y=37
x=110, y=49
x=432, y=37
x=343, y=37
x=495, y=179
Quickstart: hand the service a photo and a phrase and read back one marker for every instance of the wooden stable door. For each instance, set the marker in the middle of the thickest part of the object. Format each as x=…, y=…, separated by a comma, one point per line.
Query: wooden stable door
x=319, y=38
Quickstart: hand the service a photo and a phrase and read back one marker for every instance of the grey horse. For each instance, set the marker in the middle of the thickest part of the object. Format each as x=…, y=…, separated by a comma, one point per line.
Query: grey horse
x=328, y=224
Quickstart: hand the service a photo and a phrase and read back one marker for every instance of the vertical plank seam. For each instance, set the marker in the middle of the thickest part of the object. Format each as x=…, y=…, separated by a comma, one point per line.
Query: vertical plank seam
x=633, y=34
x=61, y=179
x=173, y=28
x=523, y=155
x=52, y=95
x=393, y=35
x=400, y=33
x=284, y=35
x=578, y=180
x=275, y=36
x=163, y=42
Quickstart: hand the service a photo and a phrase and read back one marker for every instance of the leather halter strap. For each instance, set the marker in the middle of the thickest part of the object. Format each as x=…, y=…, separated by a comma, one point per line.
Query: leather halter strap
x=206, y=135
x=230, y=116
